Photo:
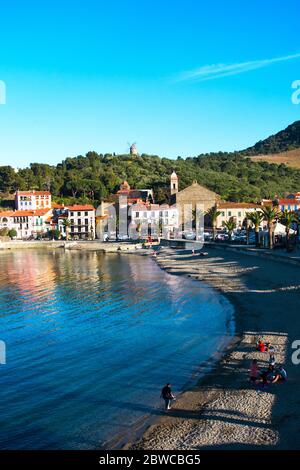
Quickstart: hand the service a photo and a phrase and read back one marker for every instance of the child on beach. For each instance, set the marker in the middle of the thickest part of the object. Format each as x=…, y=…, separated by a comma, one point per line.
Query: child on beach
x=272, y=360
x=254, y=371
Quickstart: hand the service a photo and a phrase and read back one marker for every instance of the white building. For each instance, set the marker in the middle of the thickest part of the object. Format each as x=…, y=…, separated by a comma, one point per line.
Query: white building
x=164, y=217
x=27, y=224
x=235, y=210
x=32, y=200
x=82, y=221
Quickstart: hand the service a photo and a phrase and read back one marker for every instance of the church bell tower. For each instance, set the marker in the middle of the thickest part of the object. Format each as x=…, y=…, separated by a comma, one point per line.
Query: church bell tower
x=174, y=183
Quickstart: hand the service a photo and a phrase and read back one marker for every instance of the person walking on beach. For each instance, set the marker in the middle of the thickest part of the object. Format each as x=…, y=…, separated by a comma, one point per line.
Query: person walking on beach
x=167, y=395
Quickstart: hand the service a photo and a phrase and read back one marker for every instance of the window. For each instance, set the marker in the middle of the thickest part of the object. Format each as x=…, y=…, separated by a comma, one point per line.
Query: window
x=78, y=214
x=223, y=214
x=72, y=221
x=137, y=214
x=86, y=214
x=86, y=221
x=72, y=214
x=239, y=214
x=229, y=213
x=79, y=221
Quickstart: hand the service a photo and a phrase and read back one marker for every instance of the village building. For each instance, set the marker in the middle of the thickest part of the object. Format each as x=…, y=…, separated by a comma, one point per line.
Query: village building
x=192, y=195
x=235, y=210
x=135, y=196
x=163, y=217
x=81, y=219
x=32, y=200
x=27, y=224
x=289, y=204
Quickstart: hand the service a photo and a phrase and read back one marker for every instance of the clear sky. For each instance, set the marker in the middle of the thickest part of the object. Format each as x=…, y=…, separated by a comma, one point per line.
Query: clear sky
x=179, y=77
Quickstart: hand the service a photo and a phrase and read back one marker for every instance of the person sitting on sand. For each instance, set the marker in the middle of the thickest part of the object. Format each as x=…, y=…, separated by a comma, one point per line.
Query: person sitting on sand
x=265, y=378
x=254, y=371
x=167, y=395
x=262, y=347
x=272, y=360
x=280, y=375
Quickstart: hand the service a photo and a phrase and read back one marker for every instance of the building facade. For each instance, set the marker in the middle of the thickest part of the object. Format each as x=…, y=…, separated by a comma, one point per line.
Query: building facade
x=163, y=218
x=27, y=224
x=235, y=210
x=193, y=195
x=81, y=219
x=32, y=200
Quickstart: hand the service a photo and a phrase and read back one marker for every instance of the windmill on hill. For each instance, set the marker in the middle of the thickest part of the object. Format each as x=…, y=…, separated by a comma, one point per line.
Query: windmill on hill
x=132, y=148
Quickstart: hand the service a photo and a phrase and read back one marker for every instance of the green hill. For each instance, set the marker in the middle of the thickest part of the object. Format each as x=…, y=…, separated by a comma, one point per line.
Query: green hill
x=93, y=177
x=288, y=139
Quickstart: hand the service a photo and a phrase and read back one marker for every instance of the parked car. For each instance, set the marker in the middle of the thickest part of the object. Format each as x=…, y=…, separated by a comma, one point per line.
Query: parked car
x=189, y=235
x=122, y=238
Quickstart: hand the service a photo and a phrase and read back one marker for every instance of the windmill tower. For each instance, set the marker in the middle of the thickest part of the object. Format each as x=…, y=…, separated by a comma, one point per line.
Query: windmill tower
x=174, y=183
x=133, y=149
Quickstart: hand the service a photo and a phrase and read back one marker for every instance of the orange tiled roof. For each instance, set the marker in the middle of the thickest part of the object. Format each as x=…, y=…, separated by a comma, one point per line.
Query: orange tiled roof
x=76, y=207
x=33, y=193
x=237, y=205
x=292, y=202
x=38, y=212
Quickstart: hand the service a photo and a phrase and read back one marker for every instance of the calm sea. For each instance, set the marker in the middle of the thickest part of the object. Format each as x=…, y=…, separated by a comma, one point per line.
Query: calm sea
x=90, y=341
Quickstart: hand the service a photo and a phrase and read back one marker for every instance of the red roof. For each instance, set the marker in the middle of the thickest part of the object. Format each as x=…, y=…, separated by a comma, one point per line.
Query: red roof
x=33, y=193
x=76, y=207
x=291, y=202
x=38, y=212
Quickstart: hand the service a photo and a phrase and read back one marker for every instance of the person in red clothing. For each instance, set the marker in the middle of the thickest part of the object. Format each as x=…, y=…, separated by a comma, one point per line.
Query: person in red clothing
x=263, y=347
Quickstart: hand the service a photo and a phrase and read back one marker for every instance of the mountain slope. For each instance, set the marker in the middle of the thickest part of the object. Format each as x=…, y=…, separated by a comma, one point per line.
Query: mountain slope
x=290, y=158
x=287, y=139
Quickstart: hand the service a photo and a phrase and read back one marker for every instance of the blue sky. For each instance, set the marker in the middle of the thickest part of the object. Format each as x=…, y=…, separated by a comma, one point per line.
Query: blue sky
x=177, y=77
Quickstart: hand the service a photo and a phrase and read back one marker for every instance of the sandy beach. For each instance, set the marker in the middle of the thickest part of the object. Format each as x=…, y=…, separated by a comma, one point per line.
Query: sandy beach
x=224, y=411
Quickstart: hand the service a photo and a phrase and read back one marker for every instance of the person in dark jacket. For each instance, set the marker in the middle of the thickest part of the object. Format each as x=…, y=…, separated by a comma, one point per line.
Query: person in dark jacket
x=167, y=395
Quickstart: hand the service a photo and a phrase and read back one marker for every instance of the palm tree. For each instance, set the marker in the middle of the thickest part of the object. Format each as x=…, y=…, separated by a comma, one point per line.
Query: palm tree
x=213, y=215
x=230, y=225
x=255, y=219
x=270, y=214
x=67, y=224
x=288, y=218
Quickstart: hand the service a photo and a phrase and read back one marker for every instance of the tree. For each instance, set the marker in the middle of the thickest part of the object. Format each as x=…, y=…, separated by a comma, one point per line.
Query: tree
x=7, y=178
x=255, y=219
x=66, y=225
x=12, y=233
x=270, y=214
x=4, y=232
x=55, y=234
x=288, y=218
x=230, y=225
x=213, y=215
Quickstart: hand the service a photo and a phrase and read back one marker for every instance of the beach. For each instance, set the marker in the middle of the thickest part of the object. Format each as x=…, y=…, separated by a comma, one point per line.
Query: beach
x=224, y=411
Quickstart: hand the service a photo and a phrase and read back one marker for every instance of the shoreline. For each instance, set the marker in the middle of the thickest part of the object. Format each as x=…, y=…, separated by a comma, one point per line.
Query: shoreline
x=223, y=411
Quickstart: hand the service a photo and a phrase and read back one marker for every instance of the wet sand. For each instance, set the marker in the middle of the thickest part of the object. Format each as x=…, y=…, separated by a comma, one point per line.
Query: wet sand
x=224, y=411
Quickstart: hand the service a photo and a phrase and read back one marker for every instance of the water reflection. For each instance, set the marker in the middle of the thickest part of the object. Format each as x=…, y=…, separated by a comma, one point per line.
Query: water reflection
x=85, y=331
